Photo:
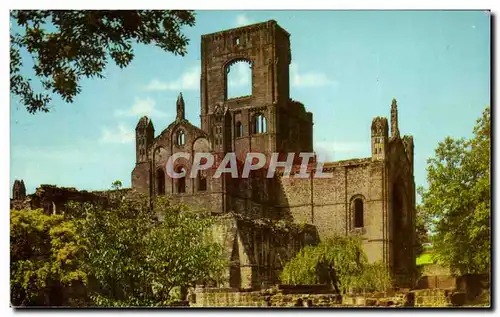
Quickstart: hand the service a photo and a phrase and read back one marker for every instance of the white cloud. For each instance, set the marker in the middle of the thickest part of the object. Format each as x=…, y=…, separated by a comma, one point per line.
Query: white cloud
x=142, y=107
x=308, y=79
x=189, y=80
x=242, y=20
x=240, y=75
x=335, y=150
x=119, y=135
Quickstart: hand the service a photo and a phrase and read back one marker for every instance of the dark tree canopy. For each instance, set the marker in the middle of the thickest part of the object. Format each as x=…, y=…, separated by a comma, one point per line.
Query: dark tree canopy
x=68, y=45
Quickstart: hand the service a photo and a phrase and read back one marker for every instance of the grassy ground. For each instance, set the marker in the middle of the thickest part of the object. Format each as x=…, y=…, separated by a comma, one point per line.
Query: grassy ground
x=425, y=258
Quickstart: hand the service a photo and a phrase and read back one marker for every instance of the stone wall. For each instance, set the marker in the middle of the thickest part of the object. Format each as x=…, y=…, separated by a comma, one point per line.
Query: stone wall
x=437, y=282
x=256, y=250
x=321, y=296
x=53, y=199
x=434, y=298
x=435, y=276
x=439, y=278
x=227, y=297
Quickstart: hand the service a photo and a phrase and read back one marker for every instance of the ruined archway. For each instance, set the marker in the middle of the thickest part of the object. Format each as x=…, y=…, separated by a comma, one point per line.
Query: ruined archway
x=238, y=78
x=160, y=182
x=180, y=183
x=358, y=213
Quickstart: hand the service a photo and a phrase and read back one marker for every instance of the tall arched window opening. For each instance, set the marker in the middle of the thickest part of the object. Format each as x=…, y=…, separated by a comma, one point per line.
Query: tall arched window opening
x=239, y=79
x=181, y=182
x=239, y=129
x=260, y=124
x=181, y=138
x=358, y=213
x=160, y=182
x=202, y=181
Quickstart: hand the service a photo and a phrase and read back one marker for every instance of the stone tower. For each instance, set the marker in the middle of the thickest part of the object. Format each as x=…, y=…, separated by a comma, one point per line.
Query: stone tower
x=263, y=121
x=18, y=190
x=144, y=134
x=379, y=138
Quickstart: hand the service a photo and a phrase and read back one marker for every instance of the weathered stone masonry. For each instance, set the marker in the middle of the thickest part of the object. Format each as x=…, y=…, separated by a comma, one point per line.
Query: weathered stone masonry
x=53, y=200
x=372, y=197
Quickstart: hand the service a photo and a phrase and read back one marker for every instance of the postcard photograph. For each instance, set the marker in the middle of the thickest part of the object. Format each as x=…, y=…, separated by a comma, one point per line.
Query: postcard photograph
x=250, y=159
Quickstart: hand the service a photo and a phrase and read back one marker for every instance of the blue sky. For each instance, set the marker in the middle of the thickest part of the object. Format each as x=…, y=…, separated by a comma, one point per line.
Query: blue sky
x=346, y=68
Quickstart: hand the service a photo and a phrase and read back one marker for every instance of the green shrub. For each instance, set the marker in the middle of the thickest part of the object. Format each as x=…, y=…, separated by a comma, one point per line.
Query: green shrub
x=375, y=277
x=338, y=261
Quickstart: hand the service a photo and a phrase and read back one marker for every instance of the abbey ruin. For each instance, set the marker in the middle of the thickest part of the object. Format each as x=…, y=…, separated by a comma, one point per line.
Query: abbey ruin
x=372, y=197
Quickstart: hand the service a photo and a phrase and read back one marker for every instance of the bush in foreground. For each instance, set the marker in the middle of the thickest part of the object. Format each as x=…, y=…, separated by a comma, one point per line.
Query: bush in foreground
x=338, y=261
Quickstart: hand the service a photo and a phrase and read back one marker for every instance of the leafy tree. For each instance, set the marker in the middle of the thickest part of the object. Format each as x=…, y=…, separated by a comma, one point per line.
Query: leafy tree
x=117, y=184
x=340, y=262
x=67, y=46
x=44, y=253
x=457, y=201
x=132, y=254
x=422, y=230
x=137, y=254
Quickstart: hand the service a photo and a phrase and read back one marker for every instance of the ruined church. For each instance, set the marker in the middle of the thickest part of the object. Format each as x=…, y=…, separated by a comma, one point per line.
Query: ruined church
x=265, y=221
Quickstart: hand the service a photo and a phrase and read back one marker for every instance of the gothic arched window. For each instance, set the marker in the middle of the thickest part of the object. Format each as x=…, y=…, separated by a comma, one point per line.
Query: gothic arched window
x=160, y=182
x=201, y=181
x=239, y=79
x=259, y=124
x=181, y=182
x=358, y=213
x=181, y=138
x=239, y=129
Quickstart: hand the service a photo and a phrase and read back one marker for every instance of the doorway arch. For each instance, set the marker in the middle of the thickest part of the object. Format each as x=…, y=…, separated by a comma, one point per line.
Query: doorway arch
x=160, y=182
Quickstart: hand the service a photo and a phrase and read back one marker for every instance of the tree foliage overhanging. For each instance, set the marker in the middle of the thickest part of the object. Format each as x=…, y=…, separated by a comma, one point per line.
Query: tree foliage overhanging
x=68, y=45
x=457, y=202
x=129, y=255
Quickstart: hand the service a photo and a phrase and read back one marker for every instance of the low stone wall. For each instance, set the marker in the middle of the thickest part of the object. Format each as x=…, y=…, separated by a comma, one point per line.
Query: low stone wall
x=316, y=296
x=382, y=299
x=304, y=300
x=438, y=298
x=227, y=297
x=217, y=297
x=437, y=282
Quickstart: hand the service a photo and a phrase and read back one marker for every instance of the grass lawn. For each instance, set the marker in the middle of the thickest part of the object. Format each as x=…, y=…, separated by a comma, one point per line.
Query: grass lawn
x=425, y=258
